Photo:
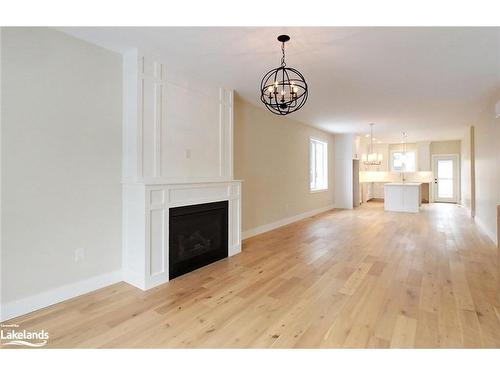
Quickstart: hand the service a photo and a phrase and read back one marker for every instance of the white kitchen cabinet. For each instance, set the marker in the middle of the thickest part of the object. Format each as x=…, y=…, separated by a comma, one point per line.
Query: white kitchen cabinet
x=402, y=197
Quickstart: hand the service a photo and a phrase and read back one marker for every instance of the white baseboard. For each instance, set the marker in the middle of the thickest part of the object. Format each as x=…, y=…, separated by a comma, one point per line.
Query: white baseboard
x=480, y=224
x=288, y=220
x=38, y=301
x=134, y=279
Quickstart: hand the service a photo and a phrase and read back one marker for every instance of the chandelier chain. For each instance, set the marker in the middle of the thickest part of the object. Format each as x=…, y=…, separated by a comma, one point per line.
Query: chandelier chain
x=371, y=138
x=283, y=63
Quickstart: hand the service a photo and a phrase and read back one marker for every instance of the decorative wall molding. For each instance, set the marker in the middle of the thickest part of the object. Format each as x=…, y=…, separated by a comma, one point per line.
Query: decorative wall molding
x=226, y=133
x=152, y=125
x=160, y=104
x=288, y=220
x=38, y=301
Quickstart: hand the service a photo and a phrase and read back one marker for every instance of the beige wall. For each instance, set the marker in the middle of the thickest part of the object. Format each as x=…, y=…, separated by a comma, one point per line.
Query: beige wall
x=446, y=147
x=271, y=155
x=61, y=161
x=399, y=147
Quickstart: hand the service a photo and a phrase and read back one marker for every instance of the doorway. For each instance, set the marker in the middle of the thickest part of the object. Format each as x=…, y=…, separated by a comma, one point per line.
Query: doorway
x=446, y=178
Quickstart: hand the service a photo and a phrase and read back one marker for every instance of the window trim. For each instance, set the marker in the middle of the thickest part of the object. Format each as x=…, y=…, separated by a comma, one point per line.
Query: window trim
x=325, y=143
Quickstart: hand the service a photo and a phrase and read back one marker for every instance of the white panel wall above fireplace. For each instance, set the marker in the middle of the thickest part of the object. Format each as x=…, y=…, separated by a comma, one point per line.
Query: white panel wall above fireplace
x=178, y=151
x=176, y=128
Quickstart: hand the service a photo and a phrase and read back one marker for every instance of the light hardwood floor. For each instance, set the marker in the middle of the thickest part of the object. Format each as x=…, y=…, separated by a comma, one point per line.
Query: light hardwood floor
x=355, y=279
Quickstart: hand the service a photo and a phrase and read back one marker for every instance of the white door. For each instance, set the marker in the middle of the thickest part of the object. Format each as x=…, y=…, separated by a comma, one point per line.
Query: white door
x=445, y=169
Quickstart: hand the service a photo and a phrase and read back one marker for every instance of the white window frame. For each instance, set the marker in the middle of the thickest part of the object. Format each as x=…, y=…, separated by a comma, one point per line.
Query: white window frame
x=400, y=152
x=313, y=188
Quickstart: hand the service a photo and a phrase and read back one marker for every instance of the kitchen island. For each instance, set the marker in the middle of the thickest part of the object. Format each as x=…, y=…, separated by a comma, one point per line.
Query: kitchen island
x=402, y=196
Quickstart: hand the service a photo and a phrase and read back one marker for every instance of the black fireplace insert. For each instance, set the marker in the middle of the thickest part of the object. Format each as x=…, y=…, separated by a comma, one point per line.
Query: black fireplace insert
x=198, y=235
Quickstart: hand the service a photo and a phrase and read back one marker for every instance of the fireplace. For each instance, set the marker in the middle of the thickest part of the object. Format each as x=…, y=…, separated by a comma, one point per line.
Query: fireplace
x=155, y=212
x=198, y=235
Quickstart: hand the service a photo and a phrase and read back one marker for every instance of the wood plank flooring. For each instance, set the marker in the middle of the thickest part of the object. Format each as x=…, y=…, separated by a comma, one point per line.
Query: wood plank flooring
x=356, y=279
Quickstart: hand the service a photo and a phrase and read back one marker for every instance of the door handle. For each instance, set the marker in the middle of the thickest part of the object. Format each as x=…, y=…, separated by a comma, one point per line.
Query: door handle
x=435, y=180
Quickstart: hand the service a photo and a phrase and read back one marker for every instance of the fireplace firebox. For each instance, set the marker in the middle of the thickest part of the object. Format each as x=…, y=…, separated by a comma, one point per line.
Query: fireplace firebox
x=198, y=236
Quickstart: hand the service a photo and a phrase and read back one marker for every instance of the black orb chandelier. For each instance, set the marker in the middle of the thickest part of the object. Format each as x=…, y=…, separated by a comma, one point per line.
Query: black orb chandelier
x=283, y=90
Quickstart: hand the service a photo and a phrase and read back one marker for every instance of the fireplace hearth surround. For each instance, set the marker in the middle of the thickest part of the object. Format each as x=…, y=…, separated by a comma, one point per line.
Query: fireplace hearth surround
x=197, y=236
x=147, y=226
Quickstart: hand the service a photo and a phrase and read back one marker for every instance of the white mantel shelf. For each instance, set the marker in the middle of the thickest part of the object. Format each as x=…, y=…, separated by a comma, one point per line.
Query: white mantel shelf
x=176, y=182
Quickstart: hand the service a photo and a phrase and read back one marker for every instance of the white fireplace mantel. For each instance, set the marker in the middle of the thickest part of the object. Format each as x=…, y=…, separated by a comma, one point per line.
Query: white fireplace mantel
x=146, y=224
x=178, y=151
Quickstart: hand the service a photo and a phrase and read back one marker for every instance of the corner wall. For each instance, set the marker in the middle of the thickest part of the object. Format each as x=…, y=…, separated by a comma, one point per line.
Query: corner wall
x=271, y=156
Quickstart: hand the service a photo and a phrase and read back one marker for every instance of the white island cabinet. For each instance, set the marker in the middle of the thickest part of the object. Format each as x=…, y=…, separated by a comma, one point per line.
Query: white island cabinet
x=402, y=197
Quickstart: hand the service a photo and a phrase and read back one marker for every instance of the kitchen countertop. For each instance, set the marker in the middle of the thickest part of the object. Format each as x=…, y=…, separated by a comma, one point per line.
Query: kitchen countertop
x=404, y=183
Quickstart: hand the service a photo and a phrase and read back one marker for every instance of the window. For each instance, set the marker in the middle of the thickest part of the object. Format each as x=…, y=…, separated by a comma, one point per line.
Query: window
x=318, y=169
x=403, y=162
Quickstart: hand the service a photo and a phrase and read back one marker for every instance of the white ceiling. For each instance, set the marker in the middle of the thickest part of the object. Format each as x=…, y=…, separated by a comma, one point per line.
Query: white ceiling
x=430, y=82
